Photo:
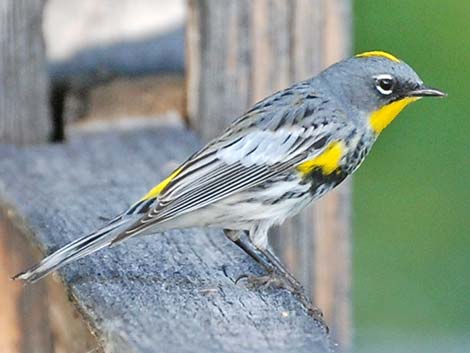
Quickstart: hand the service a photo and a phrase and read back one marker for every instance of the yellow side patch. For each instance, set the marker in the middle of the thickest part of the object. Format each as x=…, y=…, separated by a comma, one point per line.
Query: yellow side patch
x=158, y=189
x=381, y=118
x=382, y=54
x=327, y=161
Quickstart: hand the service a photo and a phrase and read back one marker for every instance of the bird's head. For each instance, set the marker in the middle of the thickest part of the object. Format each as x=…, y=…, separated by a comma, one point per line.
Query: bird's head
x=377, y=84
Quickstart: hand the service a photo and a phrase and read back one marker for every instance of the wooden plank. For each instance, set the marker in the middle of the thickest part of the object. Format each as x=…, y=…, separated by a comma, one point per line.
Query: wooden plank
x=241, y=51
x=24, y=112
x=172, y=292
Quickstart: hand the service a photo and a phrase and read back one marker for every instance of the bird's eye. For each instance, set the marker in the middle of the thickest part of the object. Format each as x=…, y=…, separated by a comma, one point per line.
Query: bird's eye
x=385, y=84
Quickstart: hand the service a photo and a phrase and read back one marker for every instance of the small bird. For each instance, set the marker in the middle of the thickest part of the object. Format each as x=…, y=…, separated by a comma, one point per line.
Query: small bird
x=286, y=151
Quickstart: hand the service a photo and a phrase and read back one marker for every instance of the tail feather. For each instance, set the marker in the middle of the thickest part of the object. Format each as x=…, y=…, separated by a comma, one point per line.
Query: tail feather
x=77, y=249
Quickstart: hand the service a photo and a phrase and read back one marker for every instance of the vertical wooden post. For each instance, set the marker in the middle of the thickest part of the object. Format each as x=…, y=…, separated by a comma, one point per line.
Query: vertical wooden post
x=24, y=119
x=241, y=51
x=24, y=113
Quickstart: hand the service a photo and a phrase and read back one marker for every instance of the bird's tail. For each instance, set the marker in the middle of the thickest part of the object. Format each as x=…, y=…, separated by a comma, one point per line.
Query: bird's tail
x=77, y=249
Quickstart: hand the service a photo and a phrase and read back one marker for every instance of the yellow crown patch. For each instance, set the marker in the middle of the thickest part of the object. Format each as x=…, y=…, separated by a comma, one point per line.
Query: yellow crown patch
x=378, y=53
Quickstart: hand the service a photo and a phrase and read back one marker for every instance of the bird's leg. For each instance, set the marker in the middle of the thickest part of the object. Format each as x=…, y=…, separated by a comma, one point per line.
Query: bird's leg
x=277, y=274
x=272, y=278
x=283, y=271
x=250, y=249
x=298, y=289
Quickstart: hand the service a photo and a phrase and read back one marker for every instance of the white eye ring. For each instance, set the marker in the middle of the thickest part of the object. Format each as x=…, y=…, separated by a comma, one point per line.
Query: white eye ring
x=385, y=84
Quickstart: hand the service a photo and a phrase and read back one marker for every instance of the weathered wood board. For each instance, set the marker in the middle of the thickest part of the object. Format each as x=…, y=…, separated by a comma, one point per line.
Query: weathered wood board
x=170, y=292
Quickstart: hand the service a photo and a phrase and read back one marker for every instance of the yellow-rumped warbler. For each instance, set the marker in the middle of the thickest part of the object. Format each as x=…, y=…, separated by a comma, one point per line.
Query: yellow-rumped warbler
x=289, y=149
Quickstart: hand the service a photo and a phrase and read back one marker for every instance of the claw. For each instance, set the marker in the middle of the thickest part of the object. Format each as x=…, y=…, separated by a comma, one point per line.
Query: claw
x=317, y=314
x=273, y=279
x=239, y=278
x=270, y=280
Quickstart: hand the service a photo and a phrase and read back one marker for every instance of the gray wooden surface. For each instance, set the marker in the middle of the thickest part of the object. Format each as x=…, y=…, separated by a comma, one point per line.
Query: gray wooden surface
x=24, y=113
x=163, y=293
x=242, y=51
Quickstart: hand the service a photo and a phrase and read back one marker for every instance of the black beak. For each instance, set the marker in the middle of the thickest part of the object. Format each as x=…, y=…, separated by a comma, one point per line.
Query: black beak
x=424, y=91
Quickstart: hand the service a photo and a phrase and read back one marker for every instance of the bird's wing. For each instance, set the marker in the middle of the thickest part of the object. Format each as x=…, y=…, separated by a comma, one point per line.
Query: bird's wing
x=275, y=136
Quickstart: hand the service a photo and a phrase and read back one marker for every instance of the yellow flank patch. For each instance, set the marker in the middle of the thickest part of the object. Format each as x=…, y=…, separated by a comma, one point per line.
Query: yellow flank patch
x=327, y=161
x=383, y=54
x=380, y=119
x=158, y=189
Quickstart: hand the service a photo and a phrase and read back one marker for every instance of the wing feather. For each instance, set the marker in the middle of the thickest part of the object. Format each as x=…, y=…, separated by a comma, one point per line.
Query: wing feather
x=253, y=150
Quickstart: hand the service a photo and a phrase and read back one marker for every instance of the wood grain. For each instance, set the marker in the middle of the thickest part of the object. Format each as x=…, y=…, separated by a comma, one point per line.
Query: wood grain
x=170, y=292
x=241, y=51
x=24, y=111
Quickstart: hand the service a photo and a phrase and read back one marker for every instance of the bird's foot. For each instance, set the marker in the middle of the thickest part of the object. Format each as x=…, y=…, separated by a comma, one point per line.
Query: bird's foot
x=317, y=314
x=276, y=280
x=270, y=280
x=313, y=310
